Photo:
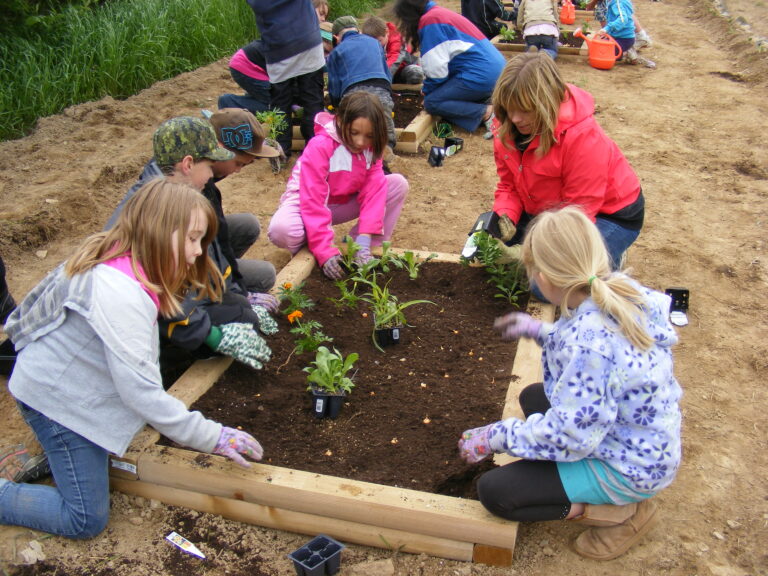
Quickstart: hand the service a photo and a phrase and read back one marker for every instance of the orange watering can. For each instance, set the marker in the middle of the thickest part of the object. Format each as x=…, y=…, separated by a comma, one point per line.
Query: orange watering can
x=568, y=12
x=603, y=49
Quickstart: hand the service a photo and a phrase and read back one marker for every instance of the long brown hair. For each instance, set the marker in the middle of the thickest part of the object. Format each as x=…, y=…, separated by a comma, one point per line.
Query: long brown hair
x=362, y=105
x=530, y=82
x=144, y=229
x=408, y=13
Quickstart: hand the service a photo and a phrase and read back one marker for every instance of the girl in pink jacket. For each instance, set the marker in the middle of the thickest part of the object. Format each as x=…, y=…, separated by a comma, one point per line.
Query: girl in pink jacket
x=339, y=177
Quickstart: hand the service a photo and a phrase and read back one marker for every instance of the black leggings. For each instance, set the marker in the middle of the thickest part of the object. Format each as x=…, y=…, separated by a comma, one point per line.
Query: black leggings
x=526, y=490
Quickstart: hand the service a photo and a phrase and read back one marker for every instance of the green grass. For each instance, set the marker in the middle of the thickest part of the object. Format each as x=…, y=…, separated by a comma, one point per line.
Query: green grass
x=118, y=49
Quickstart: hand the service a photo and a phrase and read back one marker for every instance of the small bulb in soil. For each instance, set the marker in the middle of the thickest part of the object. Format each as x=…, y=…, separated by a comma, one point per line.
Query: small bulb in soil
x=239, y=427
x=393, y=441
x=328, y=453
x=471, y=352
x=373, y=393
x=423, y=384
x=402, y=359
x=480, y=359
x=446, y=375
x=365, y=314
x=426, y=420
x=455, y=331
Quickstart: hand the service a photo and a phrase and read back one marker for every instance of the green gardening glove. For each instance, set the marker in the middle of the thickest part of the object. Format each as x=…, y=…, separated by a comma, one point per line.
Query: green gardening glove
x=267, y=324
x=506, y=228
x=508, y=253
x=243, y=343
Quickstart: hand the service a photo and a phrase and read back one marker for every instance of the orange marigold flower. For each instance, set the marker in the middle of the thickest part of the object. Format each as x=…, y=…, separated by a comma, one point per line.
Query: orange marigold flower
x=287, y=285
x=295, y=315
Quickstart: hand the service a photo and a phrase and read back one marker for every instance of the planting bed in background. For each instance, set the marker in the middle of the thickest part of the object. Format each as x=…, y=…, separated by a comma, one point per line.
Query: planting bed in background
x=401, y=423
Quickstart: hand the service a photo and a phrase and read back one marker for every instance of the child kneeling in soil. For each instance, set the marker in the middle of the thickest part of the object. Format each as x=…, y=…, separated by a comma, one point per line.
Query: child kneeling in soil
x=602, y=433
x=340, y=177
x=87, y=377
x=538, y=21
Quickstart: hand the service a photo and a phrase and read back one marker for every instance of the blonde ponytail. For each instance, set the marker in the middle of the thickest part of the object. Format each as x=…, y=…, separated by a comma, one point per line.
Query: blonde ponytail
x=565, y=247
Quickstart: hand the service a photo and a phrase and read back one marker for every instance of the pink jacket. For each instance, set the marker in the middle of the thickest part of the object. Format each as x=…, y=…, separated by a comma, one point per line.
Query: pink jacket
x=327, y=173
x=584, y=168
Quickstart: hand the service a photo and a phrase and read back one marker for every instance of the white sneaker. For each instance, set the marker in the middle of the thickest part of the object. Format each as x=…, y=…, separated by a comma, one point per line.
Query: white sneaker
x=643, y=40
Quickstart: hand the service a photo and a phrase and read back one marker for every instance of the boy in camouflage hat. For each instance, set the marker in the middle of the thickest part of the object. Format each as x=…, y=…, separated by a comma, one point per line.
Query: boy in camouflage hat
x=200, y=152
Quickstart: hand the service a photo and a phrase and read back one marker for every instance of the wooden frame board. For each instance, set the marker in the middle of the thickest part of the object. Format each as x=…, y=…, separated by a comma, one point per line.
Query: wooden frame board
x=309, y=503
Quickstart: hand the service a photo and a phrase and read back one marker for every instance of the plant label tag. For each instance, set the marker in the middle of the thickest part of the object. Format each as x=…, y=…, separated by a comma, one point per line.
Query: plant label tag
x=678, y=318
x=181, y=542
x=396, y=334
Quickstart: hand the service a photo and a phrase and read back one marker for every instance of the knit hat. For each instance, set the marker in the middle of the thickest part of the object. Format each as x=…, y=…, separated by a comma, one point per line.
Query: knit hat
x=343, y=22
x=326, y=31
x=239, y=131
x=187, y=136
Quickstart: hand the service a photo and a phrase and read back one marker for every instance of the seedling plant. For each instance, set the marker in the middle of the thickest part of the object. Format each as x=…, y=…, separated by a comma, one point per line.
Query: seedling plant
x=328, y=372
x=509, y=279
x=309, y=333
x=508, y=34
x=294, y=298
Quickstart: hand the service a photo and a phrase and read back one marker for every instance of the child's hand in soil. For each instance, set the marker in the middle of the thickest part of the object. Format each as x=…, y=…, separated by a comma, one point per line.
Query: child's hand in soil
x=363, y=255
x=268, y=301
x=233, y=442
x=243, y=343
x=474, y=445
x=332, y=268
x=517, y=325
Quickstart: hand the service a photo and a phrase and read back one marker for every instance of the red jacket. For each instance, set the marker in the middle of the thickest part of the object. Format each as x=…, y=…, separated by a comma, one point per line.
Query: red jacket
x=584, y=167
x=394, y=43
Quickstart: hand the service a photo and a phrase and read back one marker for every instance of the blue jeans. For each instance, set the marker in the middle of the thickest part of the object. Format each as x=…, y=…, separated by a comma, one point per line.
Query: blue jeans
x=458, y=104
x=617, y=240
x=543, y=42
x=78, y=506
x=256, y=99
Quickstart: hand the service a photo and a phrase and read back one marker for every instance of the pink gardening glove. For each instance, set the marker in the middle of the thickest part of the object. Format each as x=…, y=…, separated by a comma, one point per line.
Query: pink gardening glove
x=332, y=268
x=474, y=445
x=363, y=255
x=233, y=442
x=268, y=301
x=516, y=325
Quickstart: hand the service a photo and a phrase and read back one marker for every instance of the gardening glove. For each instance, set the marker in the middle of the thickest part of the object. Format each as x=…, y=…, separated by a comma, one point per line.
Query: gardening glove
x=243, y=343
x=516, y=325
x=363, y=255
x=268, y=301
x=277, y=162
x=233, y=442
x=508, y=253
x=474, y=445
x=332, y=268
x=507, y=228
x=267, y=325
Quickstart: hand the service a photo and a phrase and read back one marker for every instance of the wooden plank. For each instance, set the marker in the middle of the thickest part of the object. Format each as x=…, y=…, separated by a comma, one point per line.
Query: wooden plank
x=282, y=519
x=329, y=496
x=492, y=555
x=527, y=369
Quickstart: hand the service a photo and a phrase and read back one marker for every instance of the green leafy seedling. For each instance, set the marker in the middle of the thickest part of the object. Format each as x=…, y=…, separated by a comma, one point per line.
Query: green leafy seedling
x=328, y=372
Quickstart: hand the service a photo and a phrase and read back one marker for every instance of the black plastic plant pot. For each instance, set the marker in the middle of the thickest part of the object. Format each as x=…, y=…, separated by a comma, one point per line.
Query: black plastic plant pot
x=320, y=556
x=436, y=156
x=453, y=144
x=387, y=336
x=325, y=405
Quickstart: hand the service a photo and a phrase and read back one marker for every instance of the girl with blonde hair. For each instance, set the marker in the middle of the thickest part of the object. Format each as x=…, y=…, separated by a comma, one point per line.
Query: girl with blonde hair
x=601, y=434
x=87, y=376
x=551, y=152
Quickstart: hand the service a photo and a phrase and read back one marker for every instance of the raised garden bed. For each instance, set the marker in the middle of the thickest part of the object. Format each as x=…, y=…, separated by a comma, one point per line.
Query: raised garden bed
x=571, y=46
x=347, y=509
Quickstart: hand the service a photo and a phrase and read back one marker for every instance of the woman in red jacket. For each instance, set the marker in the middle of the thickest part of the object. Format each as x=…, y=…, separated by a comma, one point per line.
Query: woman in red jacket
x=551, y=152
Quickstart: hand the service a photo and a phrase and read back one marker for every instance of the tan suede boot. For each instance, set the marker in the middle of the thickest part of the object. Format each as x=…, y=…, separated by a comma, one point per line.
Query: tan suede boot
x=609, y=542
x=605, y=514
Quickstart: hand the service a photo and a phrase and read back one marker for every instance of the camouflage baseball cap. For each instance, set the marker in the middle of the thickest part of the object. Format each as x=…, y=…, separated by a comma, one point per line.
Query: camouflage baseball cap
x=342, y=23
x=187, y=136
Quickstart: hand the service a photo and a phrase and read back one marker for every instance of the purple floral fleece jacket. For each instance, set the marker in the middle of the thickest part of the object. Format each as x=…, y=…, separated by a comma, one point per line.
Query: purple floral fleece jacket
x=609, y=400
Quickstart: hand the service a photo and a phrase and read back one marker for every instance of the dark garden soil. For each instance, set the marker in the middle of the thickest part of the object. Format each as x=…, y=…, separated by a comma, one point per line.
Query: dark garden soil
x=566, y=39
x=402, y=421
x=407, y=107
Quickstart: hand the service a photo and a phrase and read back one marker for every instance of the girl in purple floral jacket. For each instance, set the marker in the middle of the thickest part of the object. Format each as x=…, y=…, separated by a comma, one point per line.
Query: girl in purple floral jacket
x=602, y=433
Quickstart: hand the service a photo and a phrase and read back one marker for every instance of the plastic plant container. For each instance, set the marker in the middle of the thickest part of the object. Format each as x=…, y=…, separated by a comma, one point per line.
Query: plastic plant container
x=318, y=557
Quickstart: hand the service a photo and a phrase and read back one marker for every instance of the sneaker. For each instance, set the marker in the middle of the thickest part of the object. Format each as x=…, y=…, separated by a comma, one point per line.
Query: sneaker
x=12, y=459
x=630, y=56
x=489, y=126
x=34, y=469
x=7, y=357
x=643, y=40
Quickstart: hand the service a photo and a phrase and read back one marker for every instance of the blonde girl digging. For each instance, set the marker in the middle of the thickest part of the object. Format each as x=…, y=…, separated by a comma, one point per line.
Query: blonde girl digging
x=601, y=435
